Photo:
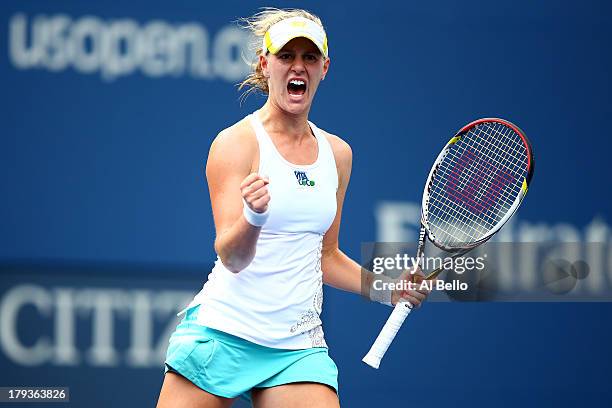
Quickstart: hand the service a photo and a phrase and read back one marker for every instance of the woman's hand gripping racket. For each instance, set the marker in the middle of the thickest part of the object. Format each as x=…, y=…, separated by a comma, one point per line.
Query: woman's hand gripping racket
x=475, y=185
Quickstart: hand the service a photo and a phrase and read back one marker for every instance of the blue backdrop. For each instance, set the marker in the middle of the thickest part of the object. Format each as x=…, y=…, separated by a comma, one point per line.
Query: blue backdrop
x=107, y=114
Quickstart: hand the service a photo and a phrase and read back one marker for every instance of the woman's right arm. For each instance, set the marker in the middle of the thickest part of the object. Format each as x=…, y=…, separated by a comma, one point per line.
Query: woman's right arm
x=230, y=181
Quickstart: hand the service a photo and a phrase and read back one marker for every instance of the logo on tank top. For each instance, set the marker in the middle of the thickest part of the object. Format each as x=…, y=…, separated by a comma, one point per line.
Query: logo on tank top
x=302, y=179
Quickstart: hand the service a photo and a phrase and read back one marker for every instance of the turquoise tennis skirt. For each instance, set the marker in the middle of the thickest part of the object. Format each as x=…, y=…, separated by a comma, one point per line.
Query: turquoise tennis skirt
x=229, y=366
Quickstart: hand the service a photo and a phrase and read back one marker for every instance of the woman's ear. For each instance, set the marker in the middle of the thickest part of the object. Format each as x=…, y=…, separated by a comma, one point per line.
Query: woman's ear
x=263, y=62
x=325, y=67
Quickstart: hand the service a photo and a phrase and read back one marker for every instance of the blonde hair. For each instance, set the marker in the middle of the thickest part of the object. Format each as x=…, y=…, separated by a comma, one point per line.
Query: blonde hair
x=258, y=25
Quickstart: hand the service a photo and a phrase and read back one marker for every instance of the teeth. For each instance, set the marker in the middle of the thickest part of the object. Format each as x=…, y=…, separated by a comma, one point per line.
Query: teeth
x=296, y=82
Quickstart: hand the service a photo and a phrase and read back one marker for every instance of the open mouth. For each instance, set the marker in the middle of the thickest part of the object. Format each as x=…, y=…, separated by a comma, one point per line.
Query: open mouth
x=296, y=87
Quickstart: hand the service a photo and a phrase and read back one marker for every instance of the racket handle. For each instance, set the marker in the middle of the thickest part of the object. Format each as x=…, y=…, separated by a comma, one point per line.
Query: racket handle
x=387, y=334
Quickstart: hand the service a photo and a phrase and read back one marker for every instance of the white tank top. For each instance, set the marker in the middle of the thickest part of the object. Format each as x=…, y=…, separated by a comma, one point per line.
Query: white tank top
x=276, y=301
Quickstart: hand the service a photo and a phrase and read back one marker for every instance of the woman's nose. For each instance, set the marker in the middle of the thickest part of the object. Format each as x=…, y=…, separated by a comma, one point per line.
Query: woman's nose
x=298, y=64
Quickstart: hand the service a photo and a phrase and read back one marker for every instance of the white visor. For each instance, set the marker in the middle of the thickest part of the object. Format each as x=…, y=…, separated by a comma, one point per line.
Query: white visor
x=286, y=30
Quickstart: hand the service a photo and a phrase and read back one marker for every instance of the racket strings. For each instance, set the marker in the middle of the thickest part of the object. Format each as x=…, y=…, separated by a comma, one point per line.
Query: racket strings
x=464, y=191
x=476, y=184
x=497, y=183
x=497, y=173
x=461, y=220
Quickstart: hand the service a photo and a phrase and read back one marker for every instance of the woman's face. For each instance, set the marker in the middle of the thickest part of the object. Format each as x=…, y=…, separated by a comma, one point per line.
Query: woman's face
x=294, y=74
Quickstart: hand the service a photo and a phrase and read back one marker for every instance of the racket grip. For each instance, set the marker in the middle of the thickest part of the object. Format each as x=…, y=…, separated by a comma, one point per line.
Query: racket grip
x=387, y=334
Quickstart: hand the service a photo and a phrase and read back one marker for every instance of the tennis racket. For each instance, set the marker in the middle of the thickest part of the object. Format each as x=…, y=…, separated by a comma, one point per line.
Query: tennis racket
x=475, y=185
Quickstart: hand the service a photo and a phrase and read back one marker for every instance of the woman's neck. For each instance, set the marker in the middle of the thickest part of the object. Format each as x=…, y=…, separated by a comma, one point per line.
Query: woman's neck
x=280, y=123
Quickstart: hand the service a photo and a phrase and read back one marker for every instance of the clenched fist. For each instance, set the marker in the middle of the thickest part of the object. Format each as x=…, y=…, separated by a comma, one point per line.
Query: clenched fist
x=254, y=189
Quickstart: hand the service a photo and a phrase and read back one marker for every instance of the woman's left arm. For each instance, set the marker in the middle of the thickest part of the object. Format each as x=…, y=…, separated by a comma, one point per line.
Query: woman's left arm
x=339, y=270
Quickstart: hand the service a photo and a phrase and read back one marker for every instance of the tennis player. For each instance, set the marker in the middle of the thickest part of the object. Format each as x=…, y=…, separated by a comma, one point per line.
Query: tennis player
x=277, y=184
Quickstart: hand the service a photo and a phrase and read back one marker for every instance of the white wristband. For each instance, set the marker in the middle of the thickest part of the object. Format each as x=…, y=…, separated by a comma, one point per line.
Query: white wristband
x=254, y=218
x=379, y=291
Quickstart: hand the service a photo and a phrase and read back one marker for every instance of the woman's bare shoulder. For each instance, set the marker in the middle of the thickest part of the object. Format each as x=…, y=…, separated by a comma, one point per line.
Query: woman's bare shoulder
x=342, y=150
x=235, y=145
x=239, y=134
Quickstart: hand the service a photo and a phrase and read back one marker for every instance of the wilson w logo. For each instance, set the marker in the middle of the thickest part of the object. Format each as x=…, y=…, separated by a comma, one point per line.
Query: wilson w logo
x=476, y=183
